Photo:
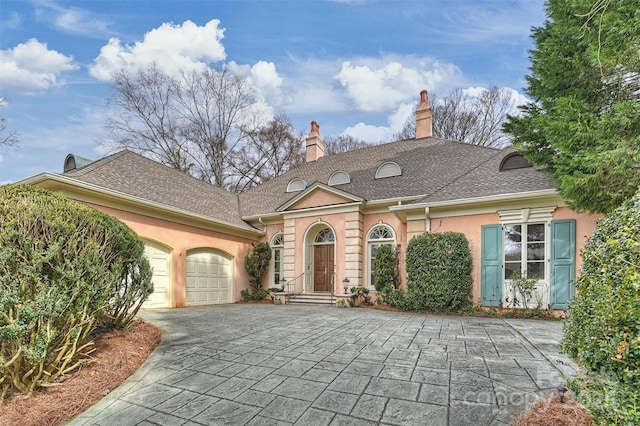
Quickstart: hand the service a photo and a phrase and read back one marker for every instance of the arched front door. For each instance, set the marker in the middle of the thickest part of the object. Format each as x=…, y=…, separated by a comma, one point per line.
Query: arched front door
x=323, y=261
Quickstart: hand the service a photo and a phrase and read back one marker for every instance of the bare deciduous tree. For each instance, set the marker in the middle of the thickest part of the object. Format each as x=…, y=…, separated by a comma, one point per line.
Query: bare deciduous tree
x=271, y=151
x=194, y=123
x=342, y=143
x=474, y=120
x=8, y=137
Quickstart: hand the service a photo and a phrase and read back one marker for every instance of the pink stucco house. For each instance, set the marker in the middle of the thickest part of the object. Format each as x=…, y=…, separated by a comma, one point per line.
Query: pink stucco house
x=325, y=219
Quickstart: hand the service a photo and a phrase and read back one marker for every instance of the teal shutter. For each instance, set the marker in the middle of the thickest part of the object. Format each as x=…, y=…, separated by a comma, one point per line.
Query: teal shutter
x=563, y=261
x=491, y=265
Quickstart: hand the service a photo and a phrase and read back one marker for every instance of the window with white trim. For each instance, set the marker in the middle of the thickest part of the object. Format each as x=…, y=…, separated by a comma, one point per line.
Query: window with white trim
x=525, y=249
x=277, y=251
x=378, y=236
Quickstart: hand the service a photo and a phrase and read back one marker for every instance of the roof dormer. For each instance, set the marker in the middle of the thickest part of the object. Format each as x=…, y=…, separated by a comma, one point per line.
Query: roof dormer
x=388, y=169
x=339, y=178
x=296, y=185
x=514, y=160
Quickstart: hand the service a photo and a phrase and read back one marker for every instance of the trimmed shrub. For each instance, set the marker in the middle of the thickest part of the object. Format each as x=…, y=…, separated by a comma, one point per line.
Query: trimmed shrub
x=602, y=329
x=385, y=269
x=439, y=273
x=65, y=269
x=256, y=263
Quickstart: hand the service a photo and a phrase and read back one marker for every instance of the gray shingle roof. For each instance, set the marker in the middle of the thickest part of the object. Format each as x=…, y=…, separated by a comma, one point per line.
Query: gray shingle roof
x=435, y=168
x=135, y=175
x=438, y=170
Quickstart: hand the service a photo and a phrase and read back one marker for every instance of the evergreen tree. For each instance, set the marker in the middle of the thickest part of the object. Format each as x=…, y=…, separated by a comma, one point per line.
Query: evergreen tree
x=583, y=123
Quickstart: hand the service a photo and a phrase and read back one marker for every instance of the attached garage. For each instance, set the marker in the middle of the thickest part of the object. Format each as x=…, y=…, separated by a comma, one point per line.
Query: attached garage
x=160, y=260
x=209, y=277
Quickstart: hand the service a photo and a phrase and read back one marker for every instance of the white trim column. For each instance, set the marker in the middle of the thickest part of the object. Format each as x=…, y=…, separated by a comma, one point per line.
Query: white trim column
x=353, y=248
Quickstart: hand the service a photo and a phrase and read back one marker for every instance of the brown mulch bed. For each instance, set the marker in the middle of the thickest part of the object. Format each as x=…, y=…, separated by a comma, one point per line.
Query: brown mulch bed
x=552, y=412
x=117, y=356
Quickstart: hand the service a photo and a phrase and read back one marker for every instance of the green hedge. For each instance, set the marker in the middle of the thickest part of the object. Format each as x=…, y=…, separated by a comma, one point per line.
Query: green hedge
x=385, y=269
x=438, y=274
x=65, y=269
x=602, y=330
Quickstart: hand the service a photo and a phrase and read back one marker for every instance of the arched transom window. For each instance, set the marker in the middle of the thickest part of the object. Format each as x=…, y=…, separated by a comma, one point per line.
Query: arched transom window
x=325, y=236
x=379, y=235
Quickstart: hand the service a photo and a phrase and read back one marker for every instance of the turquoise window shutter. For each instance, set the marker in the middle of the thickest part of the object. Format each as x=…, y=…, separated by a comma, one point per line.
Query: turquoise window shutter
x=563, y=262
x=491, y=265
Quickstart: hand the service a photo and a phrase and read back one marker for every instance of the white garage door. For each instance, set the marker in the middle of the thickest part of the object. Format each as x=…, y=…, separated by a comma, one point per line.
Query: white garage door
x=208, y=278
x=160, y=260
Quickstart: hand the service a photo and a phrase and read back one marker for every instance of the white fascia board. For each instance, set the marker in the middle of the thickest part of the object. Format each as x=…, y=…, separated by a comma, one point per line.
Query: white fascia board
x=264, y=219
x=315, y=211
x=496, y=198
x=183, y=216
x=395, y=200
x=478, y=205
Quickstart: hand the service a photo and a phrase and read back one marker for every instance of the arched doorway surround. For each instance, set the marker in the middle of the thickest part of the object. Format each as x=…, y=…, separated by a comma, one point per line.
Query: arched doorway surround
x=320, y=249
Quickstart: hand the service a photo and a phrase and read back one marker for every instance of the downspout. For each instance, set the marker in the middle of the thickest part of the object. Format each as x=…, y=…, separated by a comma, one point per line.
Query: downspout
x=426, y=213
x=264, y=229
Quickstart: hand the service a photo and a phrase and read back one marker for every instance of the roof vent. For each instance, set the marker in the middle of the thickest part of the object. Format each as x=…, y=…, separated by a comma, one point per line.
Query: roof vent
x=73, y=162
x=296, y=185
x=339, y=178
x=388, y=169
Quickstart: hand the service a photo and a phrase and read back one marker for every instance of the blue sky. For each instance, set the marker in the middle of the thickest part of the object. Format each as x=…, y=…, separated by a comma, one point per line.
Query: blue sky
x=354, y=66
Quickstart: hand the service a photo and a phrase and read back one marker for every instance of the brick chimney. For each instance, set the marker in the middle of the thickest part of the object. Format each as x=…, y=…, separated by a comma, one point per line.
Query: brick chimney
x=423, y=117
x=315, y=145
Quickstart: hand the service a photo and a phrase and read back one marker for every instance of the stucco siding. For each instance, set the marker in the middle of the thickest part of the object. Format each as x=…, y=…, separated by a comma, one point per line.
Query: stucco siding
x=182, y=238
x=471, y=227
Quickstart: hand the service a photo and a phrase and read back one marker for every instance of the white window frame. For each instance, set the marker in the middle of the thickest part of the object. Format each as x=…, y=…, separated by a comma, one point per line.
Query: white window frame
x=529, y=216
x=373, y=240
x=277, y=245
x=541, y=292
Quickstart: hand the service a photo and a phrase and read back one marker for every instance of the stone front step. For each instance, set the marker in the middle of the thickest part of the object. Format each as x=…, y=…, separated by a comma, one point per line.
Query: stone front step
x=311, y=299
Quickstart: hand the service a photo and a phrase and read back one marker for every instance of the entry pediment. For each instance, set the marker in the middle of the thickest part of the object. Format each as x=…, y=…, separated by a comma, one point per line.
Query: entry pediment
x=318, y=195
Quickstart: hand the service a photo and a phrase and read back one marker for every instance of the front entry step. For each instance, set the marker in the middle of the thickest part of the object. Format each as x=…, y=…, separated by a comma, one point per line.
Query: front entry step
x=311, y=299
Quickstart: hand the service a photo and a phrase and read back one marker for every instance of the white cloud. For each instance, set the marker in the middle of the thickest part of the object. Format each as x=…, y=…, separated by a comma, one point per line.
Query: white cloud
x=172, y=47
x=474, y=92
x=72, y=20
x=516, y=97
x=32, y=65
x=371, y=133
x=368, y=133
x=376, y=85
x=12, y=21
x=398, y=119
x=487, y=22
x=263, y=78
x=79, y=134
x=79, y=21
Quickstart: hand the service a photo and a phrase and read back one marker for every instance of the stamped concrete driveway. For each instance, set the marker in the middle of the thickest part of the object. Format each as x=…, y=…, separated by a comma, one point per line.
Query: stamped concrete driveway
x=316, y=365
